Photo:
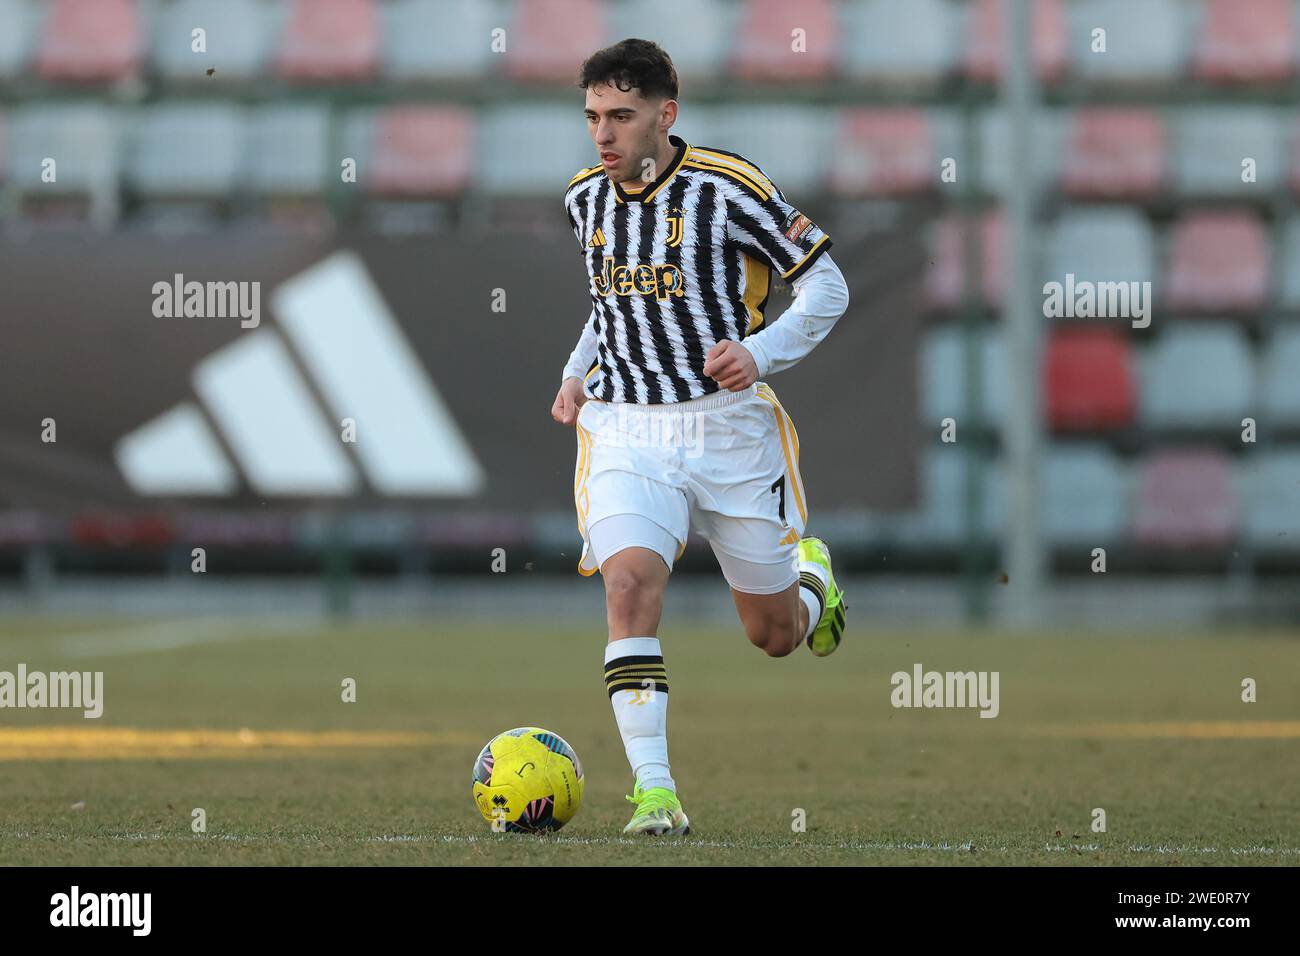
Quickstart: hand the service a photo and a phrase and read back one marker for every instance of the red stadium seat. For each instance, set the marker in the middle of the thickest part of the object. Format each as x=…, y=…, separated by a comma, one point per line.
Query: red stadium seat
x=330, y=41
x=1115, y=154
x=946, y=280
x=882, y=152
x=1246, y=42
x=95, y=41
x=422, y=151
x=1185, y=500
x=1090, y=382
x=764, y=43
x=986, y=43
x=1219, y=262
x=551, y=38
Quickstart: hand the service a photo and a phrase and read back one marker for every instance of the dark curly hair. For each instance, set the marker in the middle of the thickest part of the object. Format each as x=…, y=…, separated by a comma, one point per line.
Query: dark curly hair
x=632, y=64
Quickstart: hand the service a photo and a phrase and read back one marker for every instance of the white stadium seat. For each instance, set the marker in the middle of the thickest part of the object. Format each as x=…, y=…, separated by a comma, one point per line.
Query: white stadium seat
x=1147, y=41
x=439, y=39
x=1212, y=141
x=187, y=150
x=1197, y=375
x=910, y=42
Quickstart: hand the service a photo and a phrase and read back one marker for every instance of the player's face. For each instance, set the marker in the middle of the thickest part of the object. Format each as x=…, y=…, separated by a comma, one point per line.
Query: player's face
x=626, y=130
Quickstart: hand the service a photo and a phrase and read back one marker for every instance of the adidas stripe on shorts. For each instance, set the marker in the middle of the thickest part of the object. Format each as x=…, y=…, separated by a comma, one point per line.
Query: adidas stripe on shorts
x=724, y=464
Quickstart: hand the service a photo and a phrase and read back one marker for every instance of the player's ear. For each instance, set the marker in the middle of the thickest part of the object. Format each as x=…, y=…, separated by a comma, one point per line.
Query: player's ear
x=667, y=115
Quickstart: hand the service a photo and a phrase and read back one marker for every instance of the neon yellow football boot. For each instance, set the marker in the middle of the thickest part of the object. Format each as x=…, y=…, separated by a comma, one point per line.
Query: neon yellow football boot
x=658, y=813
x=826, y=636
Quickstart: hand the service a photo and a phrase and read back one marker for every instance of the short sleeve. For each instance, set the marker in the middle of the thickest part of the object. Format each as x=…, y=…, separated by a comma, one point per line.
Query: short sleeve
x=770, y=229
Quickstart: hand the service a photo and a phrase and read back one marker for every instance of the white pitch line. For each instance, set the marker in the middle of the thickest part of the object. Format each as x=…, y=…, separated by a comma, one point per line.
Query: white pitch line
x=502, y=839
x=169, y=635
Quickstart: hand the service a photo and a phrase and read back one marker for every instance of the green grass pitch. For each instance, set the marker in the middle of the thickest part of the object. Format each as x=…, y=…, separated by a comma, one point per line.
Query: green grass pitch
x=246, y=721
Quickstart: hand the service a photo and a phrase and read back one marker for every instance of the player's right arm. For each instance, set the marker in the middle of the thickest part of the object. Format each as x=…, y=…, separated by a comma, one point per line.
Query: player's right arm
x=571, y=395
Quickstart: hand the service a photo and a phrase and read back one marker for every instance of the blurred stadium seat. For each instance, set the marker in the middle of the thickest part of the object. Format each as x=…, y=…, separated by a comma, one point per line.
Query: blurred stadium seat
x=1000, y=170
x=1146, y=41
x=288, y=149
x=1100, y=244
x=1085, y=495
x=422, y=151
x=790, y=144
x=1197, y=376
x=82, y=137
x=1234, y=48
x=432, y=40
x=940, y=519
x=1090, y=383
x=549, y=39
x=697, y=32
x=943, y=376
x=238, y=39
x=187, y=151
x=986, y=39
x=332, y=41
x=1289, y=266
x=1270, y=496
x=945, y=281
x=90, y=41
x=17, y=27
x=900, y=42
x=1114, y=154
x=557, y=147
x=1280, y=379
x=1219, y=261
x=882, y=152
x=1185, y=499
x=1212, y=142
x=764, y=50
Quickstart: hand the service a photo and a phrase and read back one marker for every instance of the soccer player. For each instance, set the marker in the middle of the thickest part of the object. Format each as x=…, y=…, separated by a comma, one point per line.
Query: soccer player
x=675, y=428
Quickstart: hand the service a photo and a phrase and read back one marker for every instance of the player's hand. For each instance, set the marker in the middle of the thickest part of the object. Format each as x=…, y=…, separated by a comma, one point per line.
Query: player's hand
x=731, y=365
x=568, y=400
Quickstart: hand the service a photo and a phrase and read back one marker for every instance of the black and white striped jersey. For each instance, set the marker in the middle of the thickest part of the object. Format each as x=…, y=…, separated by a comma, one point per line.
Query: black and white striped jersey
x=680, y=264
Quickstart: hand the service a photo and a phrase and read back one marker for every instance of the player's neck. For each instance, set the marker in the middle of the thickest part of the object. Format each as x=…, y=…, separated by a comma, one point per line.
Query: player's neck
x=667, y=151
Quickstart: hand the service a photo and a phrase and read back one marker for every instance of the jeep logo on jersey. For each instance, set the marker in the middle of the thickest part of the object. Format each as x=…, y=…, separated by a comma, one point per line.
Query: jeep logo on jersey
x=657, y=280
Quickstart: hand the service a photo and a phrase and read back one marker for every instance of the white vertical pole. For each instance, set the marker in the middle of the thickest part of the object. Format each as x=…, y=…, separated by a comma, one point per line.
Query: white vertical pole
x=1022, y=542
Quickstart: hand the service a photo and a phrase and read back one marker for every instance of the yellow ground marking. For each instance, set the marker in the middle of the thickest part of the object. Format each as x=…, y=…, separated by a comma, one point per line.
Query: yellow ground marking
x=100, y=743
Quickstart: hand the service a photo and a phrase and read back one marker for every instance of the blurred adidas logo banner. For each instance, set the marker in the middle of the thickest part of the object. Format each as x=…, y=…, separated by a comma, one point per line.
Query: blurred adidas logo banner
x=329, y=399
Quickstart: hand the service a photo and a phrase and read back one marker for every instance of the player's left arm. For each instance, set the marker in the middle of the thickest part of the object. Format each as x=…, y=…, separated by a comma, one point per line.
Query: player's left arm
x=821, y=296
x=771, y=230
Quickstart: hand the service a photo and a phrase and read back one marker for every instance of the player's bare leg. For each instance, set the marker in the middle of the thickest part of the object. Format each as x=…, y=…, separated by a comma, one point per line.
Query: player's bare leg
x=635, y=580
x=774, y=623
x=810, y=611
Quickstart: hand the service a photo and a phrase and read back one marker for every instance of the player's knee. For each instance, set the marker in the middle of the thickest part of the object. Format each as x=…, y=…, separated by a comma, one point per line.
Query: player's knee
x=774, y=636
x=630, y=592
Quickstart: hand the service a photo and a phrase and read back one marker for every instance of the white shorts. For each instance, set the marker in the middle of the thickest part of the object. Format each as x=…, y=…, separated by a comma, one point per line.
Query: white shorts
x=725, y=465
